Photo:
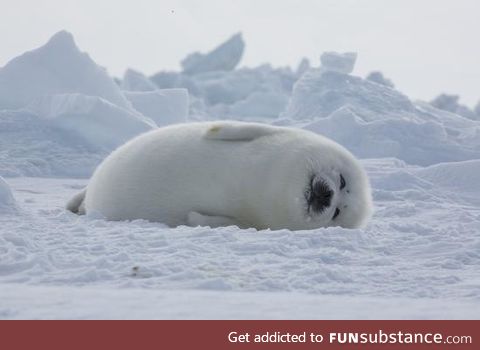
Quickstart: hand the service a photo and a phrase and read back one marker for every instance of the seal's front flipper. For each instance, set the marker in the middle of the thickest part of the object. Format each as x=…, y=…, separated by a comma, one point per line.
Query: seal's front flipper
x=197, y=219
x=231, y=131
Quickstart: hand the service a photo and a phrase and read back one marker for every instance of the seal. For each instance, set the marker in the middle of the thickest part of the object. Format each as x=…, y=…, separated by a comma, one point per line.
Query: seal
x=230, y=173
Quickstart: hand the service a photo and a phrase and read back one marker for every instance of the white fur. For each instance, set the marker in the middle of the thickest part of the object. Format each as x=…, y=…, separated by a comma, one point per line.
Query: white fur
x=223, y=173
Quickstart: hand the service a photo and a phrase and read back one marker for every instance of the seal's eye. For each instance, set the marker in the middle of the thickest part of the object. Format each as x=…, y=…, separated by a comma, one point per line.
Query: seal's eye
x=342, y=182
x=337, y=212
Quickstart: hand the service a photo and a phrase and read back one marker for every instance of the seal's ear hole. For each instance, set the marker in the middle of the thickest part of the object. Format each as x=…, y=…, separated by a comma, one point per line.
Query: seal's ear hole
x=239, y=131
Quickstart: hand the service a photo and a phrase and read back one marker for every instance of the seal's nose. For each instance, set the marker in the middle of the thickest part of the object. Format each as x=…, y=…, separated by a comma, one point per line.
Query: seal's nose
x=322, y=196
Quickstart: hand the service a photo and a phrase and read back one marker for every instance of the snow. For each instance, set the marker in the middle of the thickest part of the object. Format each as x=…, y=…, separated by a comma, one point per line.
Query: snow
x=223, y=58
x=57, y=67
x=30, y=146
x=421, y=245
x=164, y=107
x=140, y=303
x=62, y=114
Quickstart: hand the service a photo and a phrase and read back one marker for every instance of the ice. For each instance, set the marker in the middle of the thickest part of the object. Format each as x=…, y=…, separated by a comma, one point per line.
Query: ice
x=450, y=103
x=377, y=77
x=61, y=114
x=227, y=93
x=101, y=123
x=223, y=58
x=303, y=66
x=416, y=142
x=6, y=197
x=248, y=92
x=57, y=67
x=374, y=120
x=338, y=62
x=319, y=92
x=136, y=81
x=259, y=104
x=171, y=80
x=446, y=102
x=164, y=107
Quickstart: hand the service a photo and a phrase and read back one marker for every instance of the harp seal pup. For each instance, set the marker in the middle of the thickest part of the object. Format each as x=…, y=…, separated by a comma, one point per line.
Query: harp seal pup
x=230, y=173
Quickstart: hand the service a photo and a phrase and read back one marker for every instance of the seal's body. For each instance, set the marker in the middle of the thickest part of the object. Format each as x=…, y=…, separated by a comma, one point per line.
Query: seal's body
x=230, y=173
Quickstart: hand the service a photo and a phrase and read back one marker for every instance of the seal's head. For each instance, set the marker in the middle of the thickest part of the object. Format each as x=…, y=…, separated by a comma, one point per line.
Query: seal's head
x=326, y=186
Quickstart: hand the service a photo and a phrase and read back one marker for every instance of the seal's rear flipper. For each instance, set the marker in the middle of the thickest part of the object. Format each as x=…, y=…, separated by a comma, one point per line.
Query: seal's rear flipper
x=197, y=219
x=77, y=203
x=231, y=131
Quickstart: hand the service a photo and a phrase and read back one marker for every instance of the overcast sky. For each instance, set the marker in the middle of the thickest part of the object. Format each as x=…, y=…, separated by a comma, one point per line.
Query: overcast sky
x=424, y=46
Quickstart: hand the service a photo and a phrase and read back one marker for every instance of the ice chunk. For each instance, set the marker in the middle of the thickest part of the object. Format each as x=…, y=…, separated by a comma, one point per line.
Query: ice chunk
x=477, y=110
x=6, y=197
x=170, y=80
x=318, y=93
x=446, y=102
x=413, y=141
x=260, y=104
x=100, y=122
x=223, y=58
x=225, y=94
x=450, y=103
x=56, y=67
x=136, y=81
x=164, y=107
x=303, y=66
x=338, y=62
x=377, y=77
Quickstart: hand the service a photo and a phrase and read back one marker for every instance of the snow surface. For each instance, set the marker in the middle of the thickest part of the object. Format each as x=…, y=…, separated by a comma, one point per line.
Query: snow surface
x=62, y=114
